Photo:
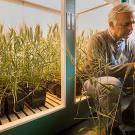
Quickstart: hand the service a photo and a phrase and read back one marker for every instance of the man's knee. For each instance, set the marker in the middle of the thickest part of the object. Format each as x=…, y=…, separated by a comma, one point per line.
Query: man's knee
x=89, y=87
x=108, y=82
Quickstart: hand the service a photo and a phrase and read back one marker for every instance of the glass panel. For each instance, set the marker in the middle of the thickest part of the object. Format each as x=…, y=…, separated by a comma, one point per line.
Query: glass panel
x=81, y=5
x=30, y=59
x=56, y=4
x=87, y=24
x=98, y=23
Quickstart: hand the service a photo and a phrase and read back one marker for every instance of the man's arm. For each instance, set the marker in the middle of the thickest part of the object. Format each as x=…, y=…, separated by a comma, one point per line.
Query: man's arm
x=122, y=70
x=97, y=58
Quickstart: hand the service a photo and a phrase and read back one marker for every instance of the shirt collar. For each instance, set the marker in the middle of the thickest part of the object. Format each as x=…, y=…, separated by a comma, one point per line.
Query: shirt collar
x=113, y=39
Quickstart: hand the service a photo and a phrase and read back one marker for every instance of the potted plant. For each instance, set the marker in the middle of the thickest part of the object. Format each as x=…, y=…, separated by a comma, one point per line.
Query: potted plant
x=99, y=120
x=53, y=69
x=10, y=70
x=32, y=80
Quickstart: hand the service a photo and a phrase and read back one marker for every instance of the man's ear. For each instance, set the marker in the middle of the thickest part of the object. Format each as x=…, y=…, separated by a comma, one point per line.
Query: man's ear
x=111, y=24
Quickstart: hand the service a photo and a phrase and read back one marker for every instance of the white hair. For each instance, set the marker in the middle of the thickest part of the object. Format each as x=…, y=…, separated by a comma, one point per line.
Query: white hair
x=120, y=8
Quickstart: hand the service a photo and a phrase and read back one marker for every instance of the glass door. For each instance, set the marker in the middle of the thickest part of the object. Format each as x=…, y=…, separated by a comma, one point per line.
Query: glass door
x=30, y=60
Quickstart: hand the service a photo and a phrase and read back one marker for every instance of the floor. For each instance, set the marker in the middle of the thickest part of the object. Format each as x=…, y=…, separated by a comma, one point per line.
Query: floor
x=82, y=128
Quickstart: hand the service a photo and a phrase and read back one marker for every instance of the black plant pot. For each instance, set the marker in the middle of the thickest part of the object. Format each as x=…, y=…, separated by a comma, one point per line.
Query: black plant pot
x=2, y=106
x=10, y=106
x=36, y=98
x=58, y=90
x=50, y=87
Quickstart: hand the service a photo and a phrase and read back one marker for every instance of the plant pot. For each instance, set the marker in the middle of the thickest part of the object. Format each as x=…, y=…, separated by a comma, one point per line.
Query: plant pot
x=50, y=87
x=2, y=105
x=36, y=98
x=54, y=87
x=96, y=133
x=10, y=106
x=58, y=90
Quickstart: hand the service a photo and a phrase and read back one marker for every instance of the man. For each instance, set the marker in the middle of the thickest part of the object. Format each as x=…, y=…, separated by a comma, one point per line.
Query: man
x=110, y=63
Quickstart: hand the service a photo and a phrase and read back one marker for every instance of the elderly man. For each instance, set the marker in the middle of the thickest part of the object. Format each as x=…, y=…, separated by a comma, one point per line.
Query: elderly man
x=110, y=63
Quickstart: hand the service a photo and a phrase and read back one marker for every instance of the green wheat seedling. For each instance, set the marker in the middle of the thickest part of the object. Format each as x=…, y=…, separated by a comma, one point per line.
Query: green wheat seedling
x=28, y=57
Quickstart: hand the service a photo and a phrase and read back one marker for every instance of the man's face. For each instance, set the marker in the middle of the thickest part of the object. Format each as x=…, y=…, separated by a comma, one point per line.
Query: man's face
x=124, y=25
